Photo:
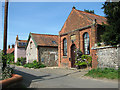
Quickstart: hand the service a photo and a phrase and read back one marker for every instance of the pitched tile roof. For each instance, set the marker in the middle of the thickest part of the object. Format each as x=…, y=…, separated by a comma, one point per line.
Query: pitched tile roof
x=45, y=39
x=22, y=40
x=91, y=16
x=78, y=19
x=10, y=50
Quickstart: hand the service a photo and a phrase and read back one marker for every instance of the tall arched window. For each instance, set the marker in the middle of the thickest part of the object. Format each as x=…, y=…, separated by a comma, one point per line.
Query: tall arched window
x=64, y=47
x=86, y=43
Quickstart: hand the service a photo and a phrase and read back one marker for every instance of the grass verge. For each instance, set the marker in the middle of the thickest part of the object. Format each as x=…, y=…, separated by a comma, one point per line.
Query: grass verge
x=108, y=73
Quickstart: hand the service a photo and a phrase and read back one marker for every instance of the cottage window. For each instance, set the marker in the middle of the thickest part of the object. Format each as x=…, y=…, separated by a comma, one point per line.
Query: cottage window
x=64, y=47
x=86, y=43
x=30, y=45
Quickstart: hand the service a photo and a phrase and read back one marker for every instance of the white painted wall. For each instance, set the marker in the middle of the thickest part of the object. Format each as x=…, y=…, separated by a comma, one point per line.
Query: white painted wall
x=31, y=52
x=19, y=52
x=15, y=53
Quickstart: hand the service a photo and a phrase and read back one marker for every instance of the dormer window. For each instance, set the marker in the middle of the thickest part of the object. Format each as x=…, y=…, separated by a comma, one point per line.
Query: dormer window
x=19, y=43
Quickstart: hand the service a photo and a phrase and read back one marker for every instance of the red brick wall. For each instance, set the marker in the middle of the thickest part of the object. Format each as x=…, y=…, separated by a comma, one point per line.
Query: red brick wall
x=76, y=21
x=78, y=42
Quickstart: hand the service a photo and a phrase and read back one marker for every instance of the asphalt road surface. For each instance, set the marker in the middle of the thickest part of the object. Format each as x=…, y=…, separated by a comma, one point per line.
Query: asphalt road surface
x=60, y=78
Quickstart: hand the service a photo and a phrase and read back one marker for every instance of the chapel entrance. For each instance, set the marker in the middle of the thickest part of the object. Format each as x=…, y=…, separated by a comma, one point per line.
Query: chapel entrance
x=73, y=47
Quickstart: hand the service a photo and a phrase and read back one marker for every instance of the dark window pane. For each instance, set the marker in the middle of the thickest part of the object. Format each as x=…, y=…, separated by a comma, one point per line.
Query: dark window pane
x=65, y=47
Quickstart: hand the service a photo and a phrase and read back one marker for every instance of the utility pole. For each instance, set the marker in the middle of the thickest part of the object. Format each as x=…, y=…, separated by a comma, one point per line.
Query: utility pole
x=5, y=33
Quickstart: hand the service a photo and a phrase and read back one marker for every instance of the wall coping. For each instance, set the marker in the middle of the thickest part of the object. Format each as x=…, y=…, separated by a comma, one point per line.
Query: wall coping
x=103, y=47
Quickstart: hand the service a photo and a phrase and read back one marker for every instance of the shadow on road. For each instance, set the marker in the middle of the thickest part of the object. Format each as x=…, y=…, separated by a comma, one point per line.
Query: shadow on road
x=28, y=78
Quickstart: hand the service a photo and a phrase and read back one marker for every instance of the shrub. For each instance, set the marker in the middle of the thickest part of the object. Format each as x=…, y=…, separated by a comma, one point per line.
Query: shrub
x=29, y=65
x=88, y=59
x=21, y=61
x=35, y=65
x=82, y=60
x=7, y=72
x=98, y=44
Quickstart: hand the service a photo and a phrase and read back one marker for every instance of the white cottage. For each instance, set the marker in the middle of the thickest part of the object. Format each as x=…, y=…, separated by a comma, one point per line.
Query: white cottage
x=43, y=48
x=19, y=49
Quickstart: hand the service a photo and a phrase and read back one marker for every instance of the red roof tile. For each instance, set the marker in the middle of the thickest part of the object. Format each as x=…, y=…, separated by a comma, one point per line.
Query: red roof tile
x=45, y=39
x=11, y=50
x=99, y=19
x=78, y=19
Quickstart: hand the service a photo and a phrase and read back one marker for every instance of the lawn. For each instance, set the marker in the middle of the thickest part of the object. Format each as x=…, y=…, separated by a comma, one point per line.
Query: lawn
x=108, y=73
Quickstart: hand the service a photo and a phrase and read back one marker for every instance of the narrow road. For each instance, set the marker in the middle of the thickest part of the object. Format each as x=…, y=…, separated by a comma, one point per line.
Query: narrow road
x=59, y=78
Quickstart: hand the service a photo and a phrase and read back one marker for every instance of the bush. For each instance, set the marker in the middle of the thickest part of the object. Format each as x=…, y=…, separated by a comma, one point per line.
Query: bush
x=7, y=73
x=84, y=60
x=29, y=65
x=88, y=59
x=21, y=61
x=9, y=58
x=98, y=44
x=34, y=65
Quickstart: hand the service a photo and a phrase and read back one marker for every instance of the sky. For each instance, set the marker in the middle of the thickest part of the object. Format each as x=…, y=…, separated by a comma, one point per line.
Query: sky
x=40, y=17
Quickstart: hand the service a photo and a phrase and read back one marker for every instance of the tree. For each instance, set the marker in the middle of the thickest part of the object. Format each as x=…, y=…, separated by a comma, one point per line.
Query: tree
x=111, y=36
x=89, y=11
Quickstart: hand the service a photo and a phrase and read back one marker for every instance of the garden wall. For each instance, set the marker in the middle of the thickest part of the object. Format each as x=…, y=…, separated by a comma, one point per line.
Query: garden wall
x=108, y=57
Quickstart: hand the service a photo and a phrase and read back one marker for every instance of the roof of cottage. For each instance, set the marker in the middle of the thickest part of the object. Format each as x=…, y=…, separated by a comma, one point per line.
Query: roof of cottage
x=21, y=43
x=10, y=50
x=78, y=19
x=45, y=39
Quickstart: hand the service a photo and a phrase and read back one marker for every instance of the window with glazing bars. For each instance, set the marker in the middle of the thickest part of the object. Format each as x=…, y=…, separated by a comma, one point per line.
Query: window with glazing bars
x=86, y=44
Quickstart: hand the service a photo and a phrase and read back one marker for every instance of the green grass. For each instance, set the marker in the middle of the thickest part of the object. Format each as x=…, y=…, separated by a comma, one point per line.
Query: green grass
x=108, y=73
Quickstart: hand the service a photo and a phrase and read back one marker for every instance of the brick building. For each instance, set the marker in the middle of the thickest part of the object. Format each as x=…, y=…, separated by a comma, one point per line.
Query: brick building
x=81, y=30
x=10, y=50
x=43, y=48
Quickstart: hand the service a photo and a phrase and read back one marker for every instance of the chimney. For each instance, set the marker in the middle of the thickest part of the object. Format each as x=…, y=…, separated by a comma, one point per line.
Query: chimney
x=8, y=46
x=17, y=38
x=13, y=46
x=73, y=7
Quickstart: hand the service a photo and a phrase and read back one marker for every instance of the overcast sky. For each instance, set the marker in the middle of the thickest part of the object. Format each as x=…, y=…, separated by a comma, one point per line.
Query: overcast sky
x=42, y=18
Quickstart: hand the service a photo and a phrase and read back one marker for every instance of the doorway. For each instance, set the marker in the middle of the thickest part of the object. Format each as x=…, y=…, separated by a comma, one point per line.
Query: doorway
x=73, y=47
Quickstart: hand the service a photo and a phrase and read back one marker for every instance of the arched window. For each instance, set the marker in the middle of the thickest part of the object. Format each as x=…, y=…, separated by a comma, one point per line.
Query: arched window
x=64, y=47
x=86, y=43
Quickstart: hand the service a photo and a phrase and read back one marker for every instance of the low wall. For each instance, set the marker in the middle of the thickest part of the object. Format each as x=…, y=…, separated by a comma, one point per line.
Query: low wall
x=108, y=57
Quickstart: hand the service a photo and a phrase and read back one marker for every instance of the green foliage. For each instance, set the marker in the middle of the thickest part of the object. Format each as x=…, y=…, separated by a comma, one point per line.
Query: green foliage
x=80, y=63
x=7, y=73
x=98, y=44
x=34, y=65
x=29, y=65
x=21, y=61
x=81, y=59
x=0, y=55
x=111, y=36
x=87, y=58
x=109, y=73
x=10, y=58
x=78, y=54
x=89, y=11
